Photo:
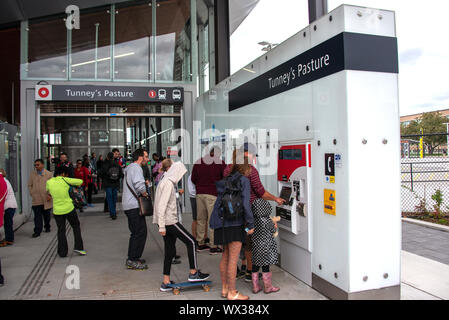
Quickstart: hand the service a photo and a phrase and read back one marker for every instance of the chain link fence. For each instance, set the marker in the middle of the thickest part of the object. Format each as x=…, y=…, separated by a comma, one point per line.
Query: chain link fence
x=422, y=179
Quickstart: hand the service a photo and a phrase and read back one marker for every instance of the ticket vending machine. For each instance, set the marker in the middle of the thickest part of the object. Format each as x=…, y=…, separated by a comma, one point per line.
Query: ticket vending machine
x=294, y=186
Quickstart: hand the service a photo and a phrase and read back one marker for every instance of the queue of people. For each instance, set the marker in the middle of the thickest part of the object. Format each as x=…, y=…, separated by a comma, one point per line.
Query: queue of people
x=213, y=227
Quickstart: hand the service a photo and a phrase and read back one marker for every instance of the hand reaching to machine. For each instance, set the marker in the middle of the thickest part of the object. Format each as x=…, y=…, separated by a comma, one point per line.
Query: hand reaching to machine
x=280, y=201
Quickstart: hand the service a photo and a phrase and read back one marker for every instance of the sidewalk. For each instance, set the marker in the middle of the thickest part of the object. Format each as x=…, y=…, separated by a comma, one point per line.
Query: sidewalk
x=426, y=242
x=33, y=270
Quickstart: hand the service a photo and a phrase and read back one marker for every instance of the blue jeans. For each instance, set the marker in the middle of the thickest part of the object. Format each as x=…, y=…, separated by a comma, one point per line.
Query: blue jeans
x=9, y=231
x=111, y=198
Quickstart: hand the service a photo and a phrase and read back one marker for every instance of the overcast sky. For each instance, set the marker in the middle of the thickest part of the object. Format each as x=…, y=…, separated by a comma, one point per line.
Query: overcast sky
x=422, y=31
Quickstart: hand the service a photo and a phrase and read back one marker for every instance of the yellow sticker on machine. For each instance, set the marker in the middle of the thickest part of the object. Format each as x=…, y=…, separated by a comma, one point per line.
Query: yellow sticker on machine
x=329, y=202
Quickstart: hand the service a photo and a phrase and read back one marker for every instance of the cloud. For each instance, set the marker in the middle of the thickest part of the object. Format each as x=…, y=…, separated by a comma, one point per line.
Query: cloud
x=410, y=56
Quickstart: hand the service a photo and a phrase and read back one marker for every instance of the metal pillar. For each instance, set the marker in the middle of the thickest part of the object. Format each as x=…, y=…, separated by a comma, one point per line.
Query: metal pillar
x=222, y=35
x=317, y=9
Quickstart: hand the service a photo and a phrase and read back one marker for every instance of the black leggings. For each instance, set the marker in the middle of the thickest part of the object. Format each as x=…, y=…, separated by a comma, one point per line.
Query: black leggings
x=264, y=268
x=172, y=233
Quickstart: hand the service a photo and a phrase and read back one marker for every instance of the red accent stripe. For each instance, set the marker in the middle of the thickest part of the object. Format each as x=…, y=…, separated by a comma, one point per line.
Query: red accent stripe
x=310, y=155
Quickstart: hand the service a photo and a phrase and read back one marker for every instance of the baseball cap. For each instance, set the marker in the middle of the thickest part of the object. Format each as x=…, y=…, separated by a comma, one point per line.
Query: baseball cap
x=250, y=148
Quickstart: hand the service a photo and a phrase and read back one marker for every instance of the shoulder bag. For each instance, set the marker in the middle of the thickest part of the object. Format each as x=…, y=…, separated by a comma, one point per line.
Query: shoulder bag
x=145, y=203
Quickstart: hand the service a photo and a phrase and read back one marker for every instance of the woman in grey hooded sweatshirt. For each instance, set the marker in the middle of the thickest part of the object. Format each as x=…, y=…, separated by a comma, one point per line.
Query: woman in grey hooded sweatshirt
x=166, y=217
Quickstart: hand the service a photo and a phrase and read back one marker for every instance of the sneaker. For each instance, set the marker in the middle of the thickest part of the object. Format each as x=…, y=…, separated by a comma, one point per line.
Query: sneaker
x=35, y=235
x=175, y=261
x=164, y=287
x=5, y=243
x=198, y=276
x=47, y=230
x=241, y=273
x=136, y=265
x=215, y=251
x=114, y=217
x=203, y=247
x=142, y=261
x=248, y=277
x=80, y=252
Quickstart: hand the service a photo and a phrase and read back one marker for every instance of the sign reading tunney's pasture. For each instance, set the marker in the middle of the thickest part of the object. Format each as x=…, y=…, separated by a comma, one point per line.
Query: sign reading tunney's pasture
x=167, y=95
x=346, y=51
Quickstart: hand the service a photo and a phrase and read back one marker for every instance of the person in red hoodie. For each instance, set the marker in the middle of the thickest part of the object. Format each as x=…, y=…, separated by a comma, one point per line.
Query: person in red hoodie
x=81, y=172
x=205, y=173
x=3, y=193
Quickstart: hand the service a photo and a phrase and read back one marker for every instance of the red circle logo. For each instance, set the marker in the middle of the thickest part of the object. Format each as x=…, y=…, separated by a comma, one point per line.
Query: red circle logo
x=43, y=92
x=152, y=94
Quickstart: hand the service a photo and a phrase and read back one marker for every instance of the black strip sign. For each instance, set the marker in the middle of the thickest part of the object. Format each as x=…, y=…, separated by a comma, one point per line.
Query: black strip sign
x=168, y=95
x=346, y=51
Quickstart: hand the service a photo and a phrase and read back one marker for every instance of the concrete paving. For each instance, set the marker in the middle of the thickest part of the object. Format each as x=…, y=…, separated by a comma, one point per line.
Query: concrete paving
x=426, y=242
x=33, y=270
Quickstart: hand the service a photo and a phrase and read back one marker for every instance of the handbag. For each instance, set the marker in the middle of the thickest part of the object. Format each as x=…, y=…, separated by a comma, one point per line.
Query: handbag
x=145, y=203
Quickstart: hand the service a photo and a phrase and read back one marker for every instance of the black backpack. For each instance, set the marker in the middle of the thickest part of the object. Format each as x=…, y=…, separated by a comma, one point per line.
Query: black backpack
x=231, y=207
x=114, y=172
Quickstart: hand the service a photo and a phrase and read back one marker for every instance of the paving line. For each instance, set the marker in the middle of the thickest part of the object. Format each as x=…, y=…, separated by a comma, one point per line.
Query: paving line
x=34, y=280
x=421, y=290
x=26, y=282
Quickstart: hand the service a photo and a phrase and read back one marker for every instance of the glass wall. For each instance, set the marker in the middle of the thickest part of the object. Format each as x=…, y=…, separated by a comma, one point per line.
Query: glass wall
x=10, y=160
x=173, y=41
x=132, y=41
x=91, y=46
x=47, y=49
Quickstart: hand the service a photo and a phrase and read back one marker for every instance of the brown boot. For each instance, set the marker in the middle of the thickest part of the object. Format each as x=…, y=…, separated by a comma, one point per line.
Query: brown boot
x=268, y=287
x=256, y=285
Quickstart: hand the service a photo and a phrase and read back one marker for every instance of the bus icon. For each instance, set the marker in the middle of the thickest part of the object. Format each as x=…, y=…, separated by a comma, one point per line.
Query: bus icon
x=176, y=94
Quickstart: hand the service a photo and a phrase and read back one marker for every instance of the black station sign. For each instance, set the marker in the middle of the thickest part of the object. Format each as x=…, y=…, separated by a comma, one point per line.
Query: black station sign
x=168, y=95
x=346, y=51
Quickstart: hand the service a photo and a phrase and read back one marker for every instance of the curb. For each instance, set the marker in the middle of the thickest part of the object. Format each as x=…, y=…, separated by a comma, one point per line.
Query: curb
x=426, y=224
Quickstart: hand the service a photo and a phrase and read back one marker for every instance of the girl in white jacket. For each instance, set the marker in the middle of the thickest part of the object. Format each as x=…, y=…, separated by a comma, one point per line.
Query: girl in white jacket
x=166, y=217
x=10, y=210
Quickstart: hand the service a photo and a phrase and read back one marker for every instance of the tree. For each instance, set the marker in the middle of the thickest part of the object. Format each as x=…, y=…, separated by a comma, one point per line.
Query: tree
x=430, y=122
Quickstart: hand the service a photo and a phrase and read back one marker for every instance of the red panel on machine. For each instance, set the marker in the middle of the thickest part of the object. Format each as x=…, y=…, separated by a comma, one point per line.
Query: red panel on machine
x=289, y=159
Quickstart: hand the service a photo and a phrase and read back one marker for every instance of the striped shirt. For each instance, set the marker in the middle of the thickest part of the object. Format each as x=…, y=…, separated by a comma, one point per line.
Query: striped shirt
x=257, y=189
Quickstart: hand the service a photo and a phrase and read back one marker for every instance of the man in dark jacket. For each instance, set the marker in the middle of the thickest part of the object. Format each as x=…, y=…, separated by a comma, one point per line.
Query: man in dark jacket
x=64, y=161
x=111, y=173
x=205, y=173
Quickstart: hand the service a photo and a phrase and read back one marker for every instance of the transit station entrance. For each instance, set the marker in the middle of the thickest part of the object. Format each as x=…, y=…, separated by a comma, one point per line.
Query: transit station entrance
x=81, y=128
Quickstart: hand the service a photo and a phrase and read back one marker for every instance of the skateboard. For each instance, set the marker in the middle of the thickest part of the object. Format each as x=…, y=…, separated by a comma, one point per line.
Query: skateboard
x=178, y=286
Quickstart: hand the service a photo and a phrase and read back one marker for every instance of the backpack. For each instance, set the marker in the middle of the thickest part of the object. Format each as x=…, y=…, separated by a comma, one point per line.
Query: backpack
x=231, y=206
x=114, y=172
x=77, y=196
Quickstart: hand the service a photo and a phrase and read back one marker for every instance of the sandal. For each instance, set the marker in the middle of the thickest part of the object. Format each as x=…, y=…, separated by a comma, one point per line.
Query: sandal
x=224, y=294
x=239, y=296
